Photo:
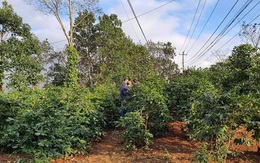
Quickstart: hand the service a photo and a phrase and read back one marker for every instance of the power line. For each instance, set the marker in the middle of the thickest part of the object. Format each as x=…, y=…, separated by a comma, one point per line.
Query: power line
x=239, y=30
x=196, y=24
x=238, y=22
x=137, y=20
x=58, y=41
x=192, y=58
x=204, y=25
x=149, y=11
x=219, y=48
x=191, y=25
x=130, y=21
x=223, y=32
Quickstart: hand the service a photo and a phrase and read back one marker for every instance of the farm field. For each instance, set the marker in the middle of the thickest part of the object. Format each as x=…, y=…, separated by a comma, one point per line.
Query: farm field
x=106, y=97
x=173, y=147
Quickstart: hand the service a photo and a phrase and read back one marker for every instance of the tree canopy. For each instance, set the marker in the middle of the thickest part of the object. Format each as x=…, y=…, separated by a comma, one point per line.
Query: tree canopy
x=19, y=50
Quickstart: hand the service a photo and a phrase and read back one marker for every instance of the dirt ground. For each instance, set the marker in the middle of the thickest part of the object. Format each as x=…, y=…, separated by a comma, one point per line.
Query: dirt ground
x=173, y=147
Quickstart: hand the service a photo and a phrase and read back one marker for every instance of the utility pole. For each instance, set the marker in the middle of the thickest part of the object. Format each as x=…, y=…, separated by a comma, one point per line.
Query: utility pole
x=183, y=61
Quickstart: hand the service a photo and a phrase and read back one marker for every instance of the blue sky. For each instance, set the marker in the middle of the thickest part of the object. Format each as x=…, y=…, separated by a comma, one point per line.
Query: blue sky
x=171, y=22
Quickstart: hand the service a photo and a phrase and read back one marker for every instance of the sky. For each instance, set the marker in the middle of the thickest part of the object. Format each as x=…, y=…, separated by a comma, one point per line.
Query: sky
x=198, y=29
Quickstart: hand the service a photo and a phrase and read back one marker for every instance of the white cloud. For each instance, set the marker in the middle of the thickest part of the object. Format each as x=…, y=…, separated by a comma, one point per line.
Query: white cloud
x=43, y=26
x=168, y=23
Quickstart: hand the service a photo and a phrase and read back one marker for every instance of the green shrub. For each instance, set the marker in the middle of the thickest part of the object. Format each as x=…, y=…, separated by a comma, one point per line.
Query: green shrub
x=248, y=113
x=50, y=123
x=148, y=98
x=179, y=92
x=106, y=100
x=135, y=133
x=211, y=119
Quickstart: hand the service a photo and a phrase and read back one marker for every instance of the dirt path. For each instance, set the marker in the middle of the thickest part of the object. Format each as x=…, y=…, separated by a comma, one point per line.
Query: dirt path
x=173, y=147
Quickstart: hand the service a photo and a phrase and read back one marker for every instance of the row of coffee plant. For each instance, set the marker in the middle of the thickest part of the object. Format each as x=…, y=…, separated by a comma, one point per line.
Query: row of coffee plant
x=55, y=121
x=216, y=101
x=60, y=121
x=213, y=102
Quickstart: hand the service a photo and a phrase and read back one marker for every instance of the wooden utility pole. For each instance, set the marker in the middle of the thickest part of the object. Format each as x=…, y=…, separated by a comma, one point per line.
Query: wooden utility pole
x=183, y=61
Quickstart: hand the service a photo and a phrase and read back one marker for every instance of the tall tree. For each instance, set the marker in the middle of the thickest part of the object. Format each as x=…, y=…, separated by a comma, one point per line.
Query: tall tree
x=163, y=55
x=219, y=56
x=106, y=54
x=238, y=65
x=55, y=63
x=119, y=56
x=250, y=33
x=240, y=60
x=19, y=50
x=86, y=45
x=70, y=8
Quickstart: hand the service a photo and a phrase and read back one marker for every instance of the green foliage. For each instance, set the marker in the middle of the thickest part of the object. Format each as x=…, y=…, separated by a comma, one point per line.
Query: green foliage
x=163, y=55
x=236, y=71
x=72, y=67
x=179, y=92
x=19, y=51
x=211, y=120
x=135, y=133
x=57, y=63
x=254, y=73
x=249, y=113
x=57, y=75
x=217, y=154
x=202, y=156
x=213, y=114
x=106, y=54
x=208, y=115
x=220, y=76
x=148, y=98
x=85, y=42
x=240, y=62
x=12, y=22
x=49, y=123
x=106, y=100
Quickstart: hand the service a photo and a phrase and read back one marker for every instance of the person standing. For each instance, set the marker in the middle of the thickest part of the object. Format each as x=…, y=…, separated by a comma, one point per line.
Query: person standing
x=123, y=89
x=124, y=94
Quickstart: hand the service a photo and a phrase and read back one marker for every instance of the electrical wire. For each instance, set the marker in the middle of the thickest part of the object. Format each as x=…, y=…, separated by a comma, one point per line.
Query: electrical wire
x=192, y=58
x=191, y=25
x=240, y=21
x=128, y=18
x=204, y=25
x=200, y=54
x=196, y=24
x=58, y=41
x=232, y=38
x=137, y=20
x=223, y=32
x=149, y=11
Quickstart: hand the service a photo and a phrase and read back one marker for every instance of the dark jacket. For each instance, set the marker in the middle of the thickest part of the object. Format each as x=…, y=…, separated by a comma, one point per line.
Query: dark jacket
x=124, y=91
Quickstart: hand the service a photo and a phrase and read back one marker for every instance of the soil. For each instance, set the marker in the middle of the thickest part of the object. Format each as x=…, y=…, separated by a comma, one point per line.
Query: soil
x=173, y=147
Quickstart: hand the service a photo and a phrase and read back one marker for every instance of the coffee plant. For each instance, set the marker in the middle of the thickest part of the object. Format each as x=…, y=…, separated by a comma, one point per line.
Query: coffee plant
x=135, y=133
x=179, y=92
x=106, y=100
x=50, y=123
x=149, y=100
